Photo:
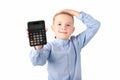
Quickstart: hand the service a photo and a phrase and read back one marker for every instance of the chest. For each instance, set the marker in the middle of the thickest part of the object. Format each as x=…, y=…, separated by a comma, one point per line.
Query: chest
x=60, y=53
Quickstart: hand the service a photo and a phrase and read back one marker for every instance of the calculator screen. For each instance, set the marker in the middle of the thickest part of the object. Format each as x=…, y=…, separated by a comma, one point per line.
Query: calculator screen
x=36, y=25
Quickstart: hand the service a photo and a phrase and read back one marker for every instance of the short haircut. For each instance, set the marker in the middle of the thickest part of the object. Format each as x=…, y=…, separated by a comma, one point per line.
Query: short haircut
x=63, y=13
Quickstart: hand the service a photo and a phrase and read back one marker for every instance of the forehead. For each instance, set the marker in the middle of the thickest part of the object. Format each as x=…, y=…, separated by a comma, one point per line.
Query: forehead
x=63, y=17
x=65, y=13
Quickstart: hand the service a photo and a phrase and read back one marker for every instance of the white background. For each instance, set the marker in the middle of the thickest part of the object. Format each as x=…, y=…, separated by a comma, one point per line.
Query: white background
x=100, y=58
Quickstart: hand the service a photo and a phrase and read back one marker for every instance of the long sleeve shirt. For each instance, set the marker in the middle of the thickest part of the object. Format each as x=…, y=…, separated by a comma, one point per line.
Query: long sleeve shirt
x=63, y=56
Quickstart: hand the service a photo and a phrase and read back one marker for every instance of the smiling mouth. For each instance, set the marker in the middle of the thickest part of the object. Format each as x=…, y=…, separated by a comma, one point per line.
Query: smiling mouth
x=63, y=32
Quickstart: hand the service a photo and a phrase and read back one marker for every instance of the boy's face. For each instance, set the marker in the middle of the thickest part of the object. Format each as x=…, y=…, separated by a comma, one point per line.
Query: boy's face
x=63, y=26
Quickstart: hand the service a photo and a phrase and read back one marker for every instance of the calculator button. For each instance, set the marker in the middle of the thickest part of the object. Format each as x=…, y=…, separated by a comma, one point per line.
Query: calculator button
x=37, y=38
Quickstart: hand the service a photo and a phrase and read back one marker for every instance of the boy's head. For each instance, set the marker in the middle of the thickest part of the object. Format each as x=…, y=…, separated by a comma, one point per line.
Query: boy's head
x=63, y=25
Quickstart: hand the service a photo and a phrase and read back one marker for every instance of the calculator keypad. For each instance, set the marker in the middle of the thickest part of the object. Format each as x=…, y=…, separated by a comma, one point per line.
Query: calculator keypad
x=37, y=38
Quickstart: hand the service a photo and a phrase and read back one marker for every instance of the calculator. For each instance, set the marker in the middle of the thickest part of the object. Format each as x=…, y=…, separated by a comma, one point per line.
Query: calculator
x=37, y=33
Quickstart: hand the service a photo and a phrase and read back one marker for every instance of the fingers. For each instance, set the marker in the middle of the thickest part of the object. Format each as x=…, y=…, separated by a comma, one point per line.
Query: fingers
x=70, y=11
x=27, y=32
x=46, y=29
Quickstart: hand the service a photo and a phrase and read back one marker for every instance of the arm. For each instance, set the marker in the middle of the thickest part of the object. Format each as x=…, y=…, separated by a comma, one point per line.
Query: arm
x=39, y=56
x=91, y=24
x=92, y=28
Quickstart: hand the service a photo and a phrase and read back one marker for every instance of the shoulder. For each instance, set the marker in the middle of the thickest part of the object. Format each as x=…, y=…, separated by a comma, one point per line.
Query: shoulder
x=73, y=38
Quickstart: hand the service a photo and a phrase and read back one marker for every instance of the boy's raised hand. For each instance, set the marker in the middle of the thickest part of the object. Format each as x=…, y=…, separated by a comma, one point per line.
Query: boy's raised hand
x=70, y=11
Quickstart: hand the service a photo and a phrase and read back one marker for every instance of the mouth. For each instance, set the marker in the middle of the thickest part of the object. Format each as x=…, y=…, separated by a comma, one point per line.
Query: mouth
x=62, y=32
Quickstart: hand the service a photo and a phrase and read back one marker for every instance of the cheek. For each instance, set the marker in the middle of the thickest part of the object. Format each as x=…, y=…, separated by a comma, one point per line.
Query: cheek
x=56, y=29
x=71, y=31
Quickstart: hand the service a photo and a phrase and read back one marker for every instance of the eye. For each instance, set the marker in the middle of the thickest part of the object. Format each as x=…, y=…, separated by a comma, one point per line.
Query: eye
x=59, y=24
x=68, y=25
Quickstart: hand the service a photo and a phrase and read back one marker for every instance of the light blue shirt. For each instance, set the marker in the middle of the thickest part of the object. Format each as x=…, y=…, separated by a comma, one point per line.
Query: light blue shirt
x=63, y=56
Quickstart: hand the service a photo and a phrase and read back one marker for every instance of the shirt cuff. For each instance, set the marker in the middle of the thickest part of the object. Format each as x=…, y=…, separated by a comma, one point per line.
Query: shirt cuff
x=82, y=14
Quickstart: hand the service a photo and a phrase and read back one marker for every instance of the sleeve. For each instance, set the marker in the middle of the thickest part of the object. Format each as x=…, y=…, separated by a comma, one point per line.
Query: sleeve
x=92, y=26
x=39, y=57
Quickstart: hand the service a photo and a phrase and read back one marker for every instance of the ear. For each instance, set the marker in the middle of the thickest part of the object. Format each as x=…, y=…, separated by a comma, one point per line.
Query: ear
x=52, y=27
x=73, y=29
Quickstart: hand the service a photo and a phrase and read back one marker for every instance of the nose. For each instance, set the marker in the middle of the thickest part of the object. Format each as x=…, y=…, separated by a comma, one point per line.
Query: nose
x=63, y=27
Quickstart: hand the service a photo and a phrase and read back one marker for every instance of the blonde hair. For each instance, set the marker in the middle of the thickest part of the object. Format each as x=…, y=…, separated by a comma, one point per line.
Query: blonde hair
x=63, y=13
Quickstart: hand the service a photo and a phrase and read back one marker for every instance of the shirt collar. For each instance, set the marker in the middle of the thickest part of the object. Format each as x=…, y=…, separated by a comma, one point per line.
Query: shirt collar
x=61, y=42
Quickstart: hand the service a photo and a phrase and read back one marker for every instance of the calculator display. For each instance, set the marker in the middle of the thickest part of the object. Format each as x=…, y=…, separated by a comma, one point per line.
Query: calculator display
x=37, y=33
x=36, y=25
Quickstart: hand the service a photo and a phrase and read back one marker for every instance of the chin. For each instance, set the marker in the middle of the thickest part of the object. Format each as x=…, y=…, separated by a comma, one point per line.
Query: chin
x=64, y=38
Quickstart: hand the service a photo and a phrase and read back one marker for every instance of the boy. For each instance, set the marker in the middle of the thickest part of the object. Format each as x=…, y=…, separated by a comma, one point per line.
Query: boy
x=63, y=54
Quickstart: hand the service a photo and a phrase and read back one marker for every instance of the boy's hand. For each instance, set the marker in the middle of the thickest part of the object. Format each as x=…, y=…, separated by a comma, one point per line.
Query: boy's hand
x=38, y=47
x=72, y=12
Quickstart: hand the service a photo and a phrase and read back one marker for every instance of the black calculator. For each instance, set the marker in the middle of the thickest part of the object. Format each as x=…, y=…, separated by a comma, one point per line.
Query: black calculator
x=37, y=33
